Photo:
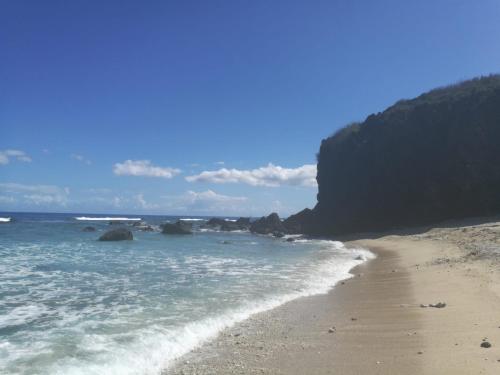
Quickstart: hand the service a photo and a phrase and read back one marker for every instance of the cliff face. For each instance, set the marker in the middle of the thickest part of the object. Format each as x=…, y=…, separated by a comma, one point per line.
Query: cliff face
x=424, y=160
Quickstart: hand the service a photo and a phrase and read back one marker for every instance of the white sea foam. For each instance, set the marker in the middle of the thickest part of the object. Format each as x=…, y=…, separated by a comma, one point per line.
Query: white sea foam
x=22, y=315
x=85, y=218
x=191, y=219
x=154, y=348
x=5, y=219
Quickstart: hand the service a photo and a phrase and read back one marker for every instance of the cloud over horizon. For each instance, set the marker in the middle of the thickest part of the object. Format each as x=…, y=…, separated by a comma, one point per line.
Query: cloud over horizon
x=204, y=202
x=38, y=195
x=19, y=155
x=270, y=175
x=143, y=168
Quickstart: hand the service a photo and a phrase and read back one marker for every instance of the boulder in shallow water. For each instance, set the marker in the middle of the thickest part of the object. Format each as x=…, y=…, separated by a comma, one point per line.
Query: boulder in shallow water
x=179, y=227
x=118, y=234
x=88, y=229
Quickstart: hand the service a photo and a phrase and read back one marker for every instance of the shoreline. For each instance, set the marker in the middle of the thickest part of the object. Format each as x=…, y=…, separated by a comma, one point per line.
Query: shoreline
x=379, y=325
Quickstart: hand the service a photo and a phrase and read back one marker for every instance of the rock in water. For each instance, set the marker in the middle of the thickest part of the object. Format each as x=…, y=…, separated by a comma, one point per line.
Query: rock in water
x=178, y=228
x=269, y=224
x=119, y=234
x=295, y=224
x=243, y=222
x=215, y=222
x=88, y=229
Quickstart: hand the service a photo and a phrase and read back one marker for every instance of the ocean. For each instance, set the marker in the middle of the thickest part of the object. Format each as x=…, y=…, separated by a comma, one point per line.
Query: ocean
x=70, y=304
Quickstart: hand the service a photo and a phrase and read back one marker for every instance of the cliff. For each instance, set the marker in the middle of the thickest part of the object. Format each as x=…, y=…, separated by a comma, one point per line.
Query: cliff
x=424, y=160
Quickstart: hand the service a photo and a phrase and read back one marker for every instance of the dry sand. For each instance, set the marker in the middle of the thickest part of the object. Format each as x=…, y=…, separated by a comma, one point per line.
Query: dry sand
x=378, y=324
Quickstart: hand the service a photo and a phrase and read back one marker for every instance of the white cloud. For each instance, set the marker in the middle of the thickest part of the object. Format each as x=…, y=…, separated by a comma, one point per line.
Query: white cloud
x=271, y=175
x=211, y=196
x=143, y=204
x=143, y=168
x=80, y=158
x=35, y=194
x=6, y=199
x=7, y=155
x=192, y=202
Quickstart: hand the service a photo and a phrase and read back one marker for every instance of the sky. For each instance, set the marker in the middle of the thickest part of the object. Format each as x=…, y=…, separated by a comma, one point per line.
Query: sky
x=209, y=107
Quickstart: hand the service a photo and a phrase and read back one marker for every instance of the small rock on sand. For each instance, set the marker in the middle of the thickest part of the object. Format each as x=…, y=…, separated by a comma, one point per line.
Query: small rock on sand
x=438, y=305
x=485, y=344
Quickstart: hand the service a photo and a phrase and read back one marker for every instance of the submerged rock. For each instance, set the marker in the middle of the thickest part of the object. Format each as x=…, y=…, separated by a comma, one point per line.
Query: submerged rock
x=119, y=234
x=88, y=229
x=179, y=227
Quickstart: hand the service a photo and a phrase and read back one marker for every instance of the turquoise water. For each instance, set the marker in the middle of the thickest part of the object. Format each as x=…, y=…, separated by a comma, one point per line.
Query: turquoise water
x=72, y=305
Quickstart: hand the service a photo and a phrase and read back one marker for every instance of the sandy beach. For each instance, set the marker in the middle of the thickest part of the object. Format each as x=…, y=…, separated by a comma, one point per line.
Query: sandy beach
x=380, y=321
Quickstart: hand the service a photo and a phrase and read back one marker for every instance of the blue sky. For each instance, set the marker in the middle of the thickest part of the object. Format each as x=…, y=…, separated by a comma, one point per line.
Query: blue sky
x=179, y=107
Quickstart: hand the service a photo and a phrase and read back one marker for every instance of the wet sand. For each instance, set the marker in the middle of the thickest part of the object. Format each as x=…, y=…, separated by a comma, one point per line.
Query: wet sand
x=374, y=323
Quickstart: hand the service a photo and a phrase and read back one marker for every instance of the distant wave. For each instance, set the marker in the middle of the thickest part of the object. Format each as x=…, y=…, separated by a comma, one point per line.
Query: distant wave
x=4, y=219
x=191, y=219
x=85, y=218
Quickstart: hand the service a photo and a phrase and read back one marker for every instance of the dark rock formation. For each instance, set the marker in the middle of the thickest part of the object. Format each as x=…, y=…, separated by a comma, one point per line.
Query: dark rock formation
x=179, y=227
x=215, y=222
x=115, y=222
x=229, y=226
x=268, y=224
x=243, y=222
x=225, y=225
x=88, y=229
x=425, y=160
x=118, y=234
x=295, y=224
